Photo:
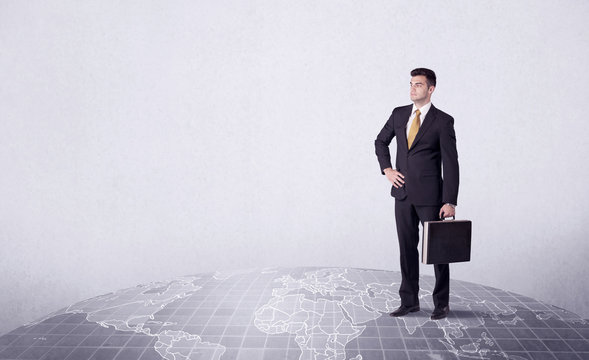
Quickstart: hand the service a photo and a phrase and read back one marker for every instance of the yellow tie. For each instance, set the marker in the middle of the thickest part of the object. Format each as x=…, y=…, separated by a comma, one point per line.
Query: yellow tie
x=414, y=128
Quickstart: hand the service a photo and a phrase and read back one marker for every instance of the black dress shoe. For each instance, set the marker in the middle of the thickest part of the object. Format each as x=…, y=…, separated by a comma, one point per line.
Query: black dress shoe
x=404, y=310
x=440, y=313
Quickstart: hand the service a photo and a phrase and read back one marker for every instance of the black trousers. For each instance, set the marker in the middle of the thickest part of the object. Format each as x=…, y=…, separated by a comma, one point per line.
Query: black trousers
x=408, y=217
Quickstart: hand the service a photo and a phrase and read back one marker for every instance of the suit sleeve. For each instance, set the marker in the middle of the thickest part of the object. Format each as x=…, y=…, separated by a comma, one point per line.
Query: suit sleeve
x=449, y=163
x=382, y=142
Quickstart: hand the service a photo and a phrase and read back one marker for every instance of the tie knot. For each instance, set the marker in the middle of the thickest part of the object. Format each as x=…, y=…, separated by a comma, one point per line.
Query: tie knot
x=417, y=112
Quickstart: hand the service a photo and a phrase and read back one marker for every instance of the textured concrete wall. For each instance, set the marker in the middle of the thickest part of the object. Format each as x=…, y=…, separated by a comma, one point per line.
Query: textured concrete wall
x=145, y=140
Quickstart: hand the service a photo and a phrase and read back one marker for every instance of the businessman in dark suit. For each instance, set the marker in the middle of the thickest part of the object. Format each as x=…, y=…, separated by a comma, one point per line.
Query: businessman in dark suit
x=424, y=183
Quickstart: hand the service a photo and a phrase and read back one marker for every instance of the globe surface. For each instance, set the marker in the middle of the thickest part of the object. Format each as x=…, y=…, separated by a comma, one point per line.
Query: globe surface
x=299, y=313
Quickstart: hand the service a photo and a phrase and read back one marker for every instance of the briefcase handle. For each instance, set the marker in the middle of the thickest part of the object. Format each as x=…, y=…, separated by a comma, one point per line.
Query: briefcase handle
x=453, y=218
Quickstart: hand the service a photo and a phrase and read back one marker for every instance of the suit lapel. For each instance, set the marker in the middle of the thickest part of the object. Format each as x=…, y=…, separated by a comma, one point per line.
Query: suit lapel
x=405, y=116
x=426, y=123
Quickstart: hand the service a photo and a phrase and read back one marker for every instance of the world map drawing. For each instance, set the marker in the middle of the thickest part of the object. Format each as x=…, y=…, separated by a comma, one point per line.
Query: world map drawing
x=298, y=313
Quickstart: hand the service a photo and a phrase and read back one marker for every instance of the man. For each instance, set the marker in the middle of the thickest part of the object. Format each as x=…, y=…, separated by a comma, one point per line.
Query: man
x=424, y=183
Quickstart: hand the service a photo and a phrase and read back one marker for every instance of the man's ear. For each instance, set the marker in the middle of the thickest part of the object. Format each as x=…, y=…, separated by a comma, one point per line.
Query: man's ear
x=431, y=89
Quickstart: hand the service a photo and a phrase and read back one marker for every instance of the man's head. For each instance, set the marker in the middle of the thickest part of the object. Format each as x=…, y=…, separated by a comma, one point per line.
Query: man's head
x=423, y=83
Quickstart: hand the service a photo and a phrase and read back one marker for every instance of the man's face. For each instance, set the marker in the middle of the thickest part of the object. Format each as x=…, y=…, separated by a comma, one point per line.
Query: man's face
x=420, y=92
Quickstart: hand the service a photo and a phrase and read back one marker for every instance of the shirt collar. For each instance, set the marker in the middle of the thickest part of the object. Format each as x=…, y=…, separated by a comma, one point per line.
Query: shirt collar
x=424, y=109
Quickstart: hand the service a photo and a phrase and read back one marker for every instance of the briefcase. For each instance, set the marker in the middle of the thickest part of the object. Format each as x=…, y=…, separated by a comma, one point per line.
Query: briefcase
x=446, y=241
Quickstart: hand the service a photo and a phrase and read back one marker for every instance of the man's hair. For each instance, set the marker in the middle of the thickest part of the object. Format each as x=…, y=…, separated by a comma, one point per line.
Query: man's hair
x=429, y=75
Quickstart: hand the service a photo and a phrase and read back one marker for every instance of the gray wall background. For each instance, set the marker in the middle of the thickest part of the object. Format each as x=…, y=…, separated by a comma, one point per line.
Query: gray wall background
x=143, y=140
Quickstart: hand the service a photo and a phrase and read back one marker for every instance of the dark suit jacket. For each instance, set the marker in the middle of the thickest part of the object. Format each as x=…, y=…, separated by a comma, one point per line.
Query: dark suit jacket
x=427, y=182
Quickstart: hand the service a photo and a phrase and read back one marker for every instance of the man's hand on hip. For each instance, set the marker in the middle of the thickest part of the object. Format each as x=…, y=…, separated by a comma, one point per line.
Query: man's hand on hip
x=447, y=211
x=395, y=177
